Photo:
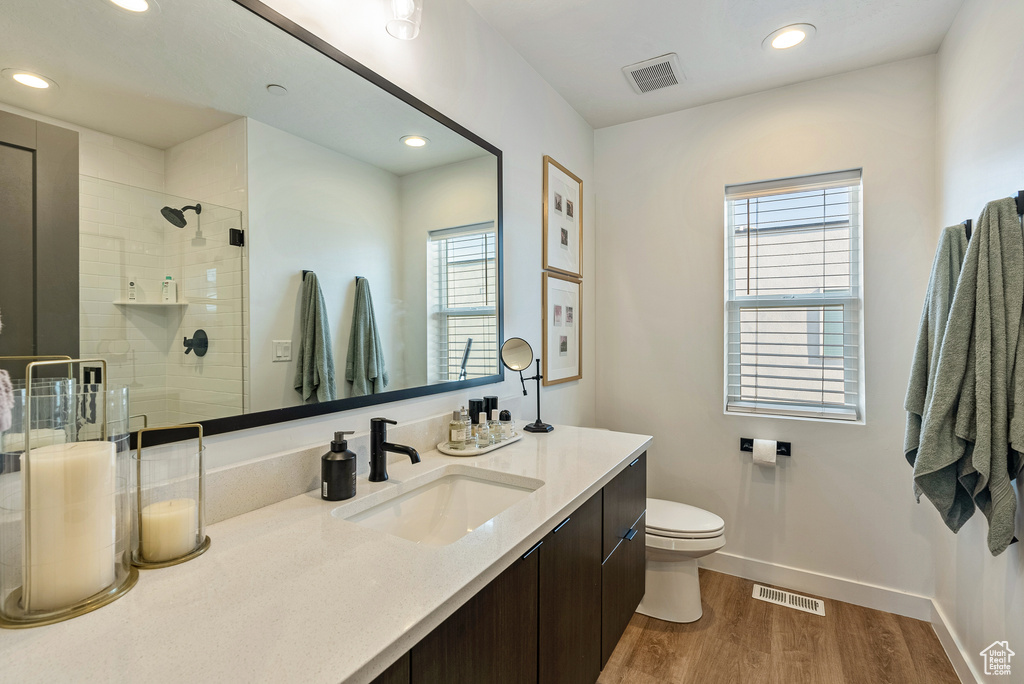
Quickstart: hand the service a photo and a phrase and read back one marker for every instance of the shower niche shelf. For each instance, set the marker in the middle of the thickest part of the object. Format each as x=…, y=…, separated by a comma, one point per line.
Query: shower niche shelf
x=125, y=302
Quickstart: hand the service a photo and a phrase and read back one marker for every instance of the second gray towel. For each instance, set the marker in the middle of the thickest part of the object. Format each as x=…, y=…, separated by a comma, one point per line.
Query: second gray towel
x=365, y=367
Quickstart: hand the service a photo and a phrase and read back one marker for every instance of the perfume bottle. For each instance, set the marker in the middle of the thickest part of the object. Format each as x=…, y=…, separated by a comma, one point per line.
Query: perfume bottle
x=457, y=432
x=494, y=425
x=468, y=424
x=508, y=426
x=482, y=431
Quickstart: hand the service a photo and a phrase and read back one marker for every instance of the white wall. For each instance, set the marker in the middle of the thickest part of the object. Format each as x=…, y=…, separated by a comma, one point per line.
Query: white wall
x=981, y=158
x=313, y=208
x=449, y=196
x=842, y=504
x=465, y=69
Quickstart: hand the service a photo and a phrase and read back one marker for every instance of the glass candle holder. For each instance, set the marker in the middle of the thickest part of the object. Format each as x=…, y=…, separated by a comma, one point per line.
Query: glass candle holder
x=65, y=500
x=169, y=523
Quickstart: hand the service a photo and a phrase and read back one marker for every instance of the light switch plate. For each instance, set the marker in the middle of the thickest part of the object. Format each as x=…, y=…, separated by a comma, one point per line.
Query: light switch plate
x=282, y=350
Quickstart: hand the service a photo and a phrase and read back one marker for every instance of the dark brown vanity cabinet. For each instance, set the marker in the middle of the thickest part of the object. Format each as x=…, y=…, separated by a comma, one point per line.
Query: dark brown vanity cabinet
x=625, y=552
x=570, y=599
x=492, y=638
x=555, y=615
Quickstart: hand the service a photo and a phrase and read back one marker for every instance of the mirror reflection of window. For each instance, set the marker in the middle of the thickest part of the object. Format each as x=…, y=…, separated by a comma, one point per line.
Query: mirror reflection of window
x=462, y=302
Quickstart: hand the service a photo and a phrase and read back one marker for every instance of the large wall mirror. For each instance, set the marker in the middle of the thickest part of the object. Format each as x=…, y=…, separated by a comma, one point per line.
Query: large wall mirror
x=164, y=198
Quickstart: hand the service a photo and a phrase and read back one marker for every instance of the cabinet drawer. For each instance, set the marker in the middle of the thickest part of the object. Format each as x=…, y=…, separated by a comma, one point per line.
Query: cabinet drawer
x=622, y=587
x=625, y=500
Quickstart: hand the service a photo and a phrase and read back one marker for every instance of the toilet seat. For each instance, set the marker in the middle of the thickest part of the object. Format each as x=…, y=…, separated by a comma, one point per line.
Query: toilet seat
x=674, y=520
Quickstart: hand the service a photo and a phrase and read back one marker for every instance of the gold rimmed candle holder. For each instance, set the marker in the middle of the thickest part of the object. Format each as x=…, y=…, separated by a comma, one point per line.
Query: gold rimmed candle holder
x=65, y=505
x=170, y=501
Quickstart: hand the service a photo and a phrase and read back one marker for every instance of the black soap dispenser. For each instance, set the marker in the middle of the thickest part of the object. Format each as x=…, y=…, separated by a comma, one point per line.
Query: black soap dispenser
x=338, y=470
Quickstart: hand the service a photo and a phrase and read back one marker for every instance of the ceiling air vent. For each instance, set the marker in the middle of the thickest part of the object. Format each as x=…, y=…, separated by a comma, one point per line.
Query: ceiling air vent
x=654, y=74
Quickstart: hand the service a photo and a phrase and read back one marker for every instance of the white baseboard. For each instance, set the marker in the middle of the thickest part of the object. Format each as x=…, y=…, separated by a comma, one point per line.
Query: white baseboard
x=963, y=663
x=837, y=588
x=850, y=591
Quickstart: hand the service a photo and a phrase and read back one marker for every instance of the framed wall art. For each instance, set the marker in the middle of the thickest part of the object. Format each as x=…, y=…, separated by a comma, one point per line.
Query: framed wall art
x=563, y=329
x=563, y=220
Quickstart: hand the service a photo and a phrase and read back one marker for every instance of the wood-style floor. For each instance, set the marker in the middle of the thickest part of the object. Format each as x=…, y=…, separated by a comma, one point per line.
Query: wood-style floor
x=741, y=640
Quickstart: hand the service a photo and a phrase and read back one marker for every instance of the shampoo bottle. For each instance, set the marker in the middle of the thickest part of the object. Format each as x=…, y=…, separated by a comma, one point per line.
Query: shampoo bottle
x=169, y=291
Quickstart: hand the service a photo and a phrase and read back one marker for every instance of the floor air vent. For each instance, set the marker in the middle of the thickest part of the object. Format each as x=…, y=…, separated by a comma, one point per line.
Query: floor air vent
x=789, y=599
x=653, y=74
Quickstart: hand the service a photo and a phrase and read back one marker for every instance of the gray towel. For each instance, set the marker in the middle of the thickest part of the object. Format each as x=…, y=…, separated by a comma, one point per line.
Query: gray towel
x=949, y=257
x=365, y=367
x=314, y=377
x=969, y=426
x=6, y=398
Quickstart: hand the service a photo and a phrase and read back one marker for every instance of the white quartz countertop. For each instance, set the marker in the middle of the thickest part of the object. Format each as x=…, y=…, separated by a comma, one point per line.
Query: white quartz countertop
x=291, y=593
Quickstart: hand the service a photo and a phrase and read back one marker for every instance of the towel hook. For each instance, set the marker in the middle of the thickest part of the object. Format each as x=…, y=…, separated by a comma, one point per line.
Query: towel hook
x=967, y=227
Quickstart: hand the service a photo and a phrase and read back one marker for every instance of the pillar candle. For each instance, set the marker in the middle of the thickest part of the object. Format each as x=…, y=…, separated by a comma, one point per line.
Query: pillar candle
x=73, y=523
x=169, y=529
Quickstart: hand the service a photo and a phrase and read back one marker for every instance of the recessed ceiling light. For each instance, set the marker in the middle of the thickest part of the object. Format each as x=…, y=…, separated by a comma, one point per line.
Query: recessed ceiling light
x=788, y=36
x=132, y=5
x=29, y=78
x=275, y=89
x=415, y=140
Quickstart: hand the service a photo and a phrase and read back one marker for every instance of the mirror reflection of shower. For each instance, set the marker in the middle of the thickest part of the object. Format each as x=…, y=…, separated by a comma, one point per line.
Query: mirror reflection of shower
x=176, y=217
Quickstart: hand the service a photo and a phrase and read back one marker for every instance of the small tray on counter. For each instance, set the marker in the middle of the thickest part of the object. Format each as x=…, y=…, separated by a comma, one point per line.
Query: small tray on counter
x=444, y=447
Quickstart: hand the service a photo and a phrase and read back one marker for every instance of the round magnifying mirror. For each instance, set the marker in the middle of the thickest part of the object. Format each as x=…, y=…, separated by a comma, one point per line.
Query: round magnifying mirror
x=516, y=354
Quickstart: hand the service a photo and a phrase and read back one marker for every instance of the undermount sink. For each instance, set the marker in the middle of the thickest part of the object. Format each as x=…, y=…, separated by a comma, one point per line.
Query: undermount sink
x=440, y=507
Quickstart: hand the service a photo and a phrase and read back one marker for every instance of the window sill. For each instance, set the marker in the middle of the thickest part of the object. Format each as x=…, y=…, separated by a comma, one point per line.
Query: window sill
x=841, y=416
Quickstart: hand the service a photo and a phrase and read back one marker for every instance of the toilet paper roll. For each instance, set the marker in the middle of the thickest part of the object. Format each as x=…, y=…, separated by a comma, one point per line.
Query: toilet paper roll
x=764, y=452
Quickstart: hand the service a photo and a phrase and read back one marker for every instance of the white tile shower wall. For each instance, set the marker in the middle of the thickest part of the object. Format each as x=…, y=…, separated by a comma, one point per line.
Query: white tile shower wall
x=121, y=238
x=211, y=168
x=122, y=235
x=210, y=280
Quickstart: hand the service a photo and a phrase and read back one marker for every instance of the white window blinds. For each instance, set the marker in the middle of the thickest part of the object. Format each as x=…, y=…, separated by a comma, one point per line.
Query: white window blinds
x=463, y=306
x=793, y=300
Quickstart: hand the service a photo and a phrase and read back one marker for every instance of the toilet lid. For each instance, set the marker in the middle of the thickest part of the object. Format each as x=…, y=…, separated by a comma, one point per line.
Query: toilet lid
x=679, y=520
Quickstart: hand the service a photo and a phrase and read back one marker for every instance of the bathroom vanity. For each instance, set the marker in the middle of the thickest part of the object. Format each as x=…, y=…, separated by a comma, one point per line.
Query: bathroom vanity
x=297, y=591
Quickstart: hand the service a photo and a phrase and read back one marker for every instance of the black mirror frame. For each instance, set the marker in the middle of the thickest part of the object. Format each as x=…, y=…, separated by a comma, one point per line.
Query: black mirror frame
x=246, y=421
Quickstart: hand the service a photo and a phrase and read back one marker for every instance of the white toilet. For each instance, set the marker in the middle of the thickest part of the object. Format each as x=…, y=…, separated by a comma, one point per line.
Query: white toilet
x=677, y=535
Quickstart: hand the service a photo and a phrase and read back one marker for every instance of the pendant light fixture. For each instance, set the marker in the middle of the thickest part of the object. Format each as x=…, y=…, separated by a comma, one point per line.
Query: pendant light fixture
x=404, y=20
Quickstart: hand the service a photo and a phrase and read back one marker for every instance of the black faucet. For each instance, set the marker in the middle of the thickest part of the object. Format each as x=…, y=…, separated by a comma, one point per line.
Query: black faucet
x=379, y=448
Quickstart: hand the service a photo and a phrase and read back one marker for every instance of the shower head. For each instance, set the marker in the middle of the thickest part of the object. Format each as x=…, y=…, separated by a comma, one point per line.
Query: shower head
x=176, y=217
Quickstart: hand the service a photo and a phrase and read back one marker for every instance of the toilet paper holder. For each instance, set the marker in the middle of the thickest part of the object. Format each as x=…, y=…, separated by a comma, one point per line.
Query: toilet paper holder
x=781, y=448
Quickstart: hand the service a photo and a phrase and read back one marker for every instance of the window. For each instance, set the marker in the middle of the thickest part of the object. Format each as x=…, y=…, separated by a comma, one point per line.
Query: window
x=793, y=300
x=463, y=303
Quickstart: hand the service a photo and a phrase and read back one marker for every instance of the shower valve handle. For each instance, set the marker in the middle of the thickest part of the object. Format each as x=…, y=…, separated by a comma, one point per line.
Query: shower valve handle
x=199, y=343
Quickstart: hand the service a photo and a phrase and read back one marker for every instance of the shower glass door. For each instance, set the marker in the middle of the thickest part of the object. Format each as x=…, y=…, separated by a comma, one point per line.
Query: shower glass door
x=128, y=248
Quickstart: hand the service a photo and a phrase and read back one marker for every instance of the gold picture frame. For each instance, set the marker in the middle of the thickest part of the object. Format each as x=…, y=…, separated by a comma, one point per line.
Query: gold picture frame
x=563, y=328
x=563, y=220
